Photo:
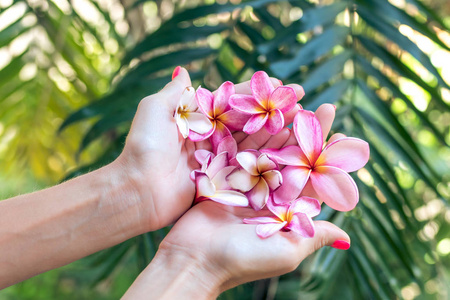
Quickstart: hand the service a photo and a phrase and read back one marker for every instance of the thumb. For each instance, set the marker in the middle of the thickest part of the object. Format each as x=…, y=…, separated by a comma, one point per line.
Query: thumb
x=326, y=234
x=173, y=90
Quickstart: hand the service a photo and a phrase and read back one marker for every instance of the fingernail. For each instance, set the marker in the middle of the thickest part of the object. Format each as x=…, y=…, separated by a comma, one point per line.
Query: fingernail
x=176, y=71
x=334, y=106
x=281, y=82
x=341, y=245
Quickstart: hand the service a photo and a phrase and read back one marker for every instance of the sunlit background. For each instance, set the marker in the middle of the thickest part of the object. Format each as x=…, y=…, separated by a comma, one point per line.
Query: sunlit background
x=58, y=56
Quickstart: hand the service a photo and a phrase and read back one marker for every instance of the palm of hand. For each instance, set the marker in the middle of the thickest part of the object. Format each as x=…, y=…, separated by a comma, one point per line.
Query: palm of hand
x=235, y=253
x=163, y=161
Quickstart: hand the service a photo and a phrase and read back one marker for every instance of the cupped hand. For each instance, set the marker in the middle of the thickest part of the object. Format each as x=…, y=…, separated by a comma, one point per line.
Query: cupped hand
x=231, y=251
x=158, y=160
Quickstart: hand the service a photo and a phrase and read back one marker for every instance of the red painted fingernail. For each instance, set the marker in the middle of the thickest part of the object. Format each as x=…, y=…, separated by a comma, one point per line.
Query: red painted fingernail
x=281, y=82
x=341, y=245
x=176, y=71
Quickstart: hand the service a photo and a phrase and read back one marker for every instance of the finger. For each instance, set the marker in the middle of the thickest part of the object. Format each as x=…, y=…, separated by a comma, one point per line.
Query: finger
x=239, y=136
x=299, y=91
x=278, y=140
x=244, y=87
x=255, y=141
x=171, y=93
x=292, y=140
x=325, y=114
x=206, y=145
x=335, y=137
x=290, y=115
x=326, y=234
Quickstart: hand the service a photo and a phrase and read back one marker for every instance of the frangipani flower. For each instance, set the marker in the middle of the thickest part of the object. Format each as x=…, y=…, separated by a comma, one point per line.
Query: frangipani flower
x=266, y=105
x=295, y=216
x=227, y=144
x=216, y=108
x=211, y=184
x=258, y=176
x=326, y=169
x=187, y=116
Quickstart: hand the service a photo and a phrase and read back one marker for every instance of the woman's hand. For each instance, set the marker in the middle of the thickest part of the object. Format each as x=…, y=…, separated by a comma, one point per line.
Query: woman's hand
x=157, y=160
x=210, y=250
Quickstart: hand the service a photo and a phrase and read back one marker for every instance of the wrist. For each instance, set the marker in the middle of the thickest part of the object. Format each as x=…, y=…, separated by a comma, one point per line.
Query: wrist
x=121, y=200
x=176, y=274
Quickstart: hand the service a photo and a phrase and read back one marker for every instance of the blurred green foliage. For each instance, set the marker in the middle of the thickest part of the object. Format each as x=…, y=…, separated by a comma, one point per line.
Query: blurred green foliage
x=73, y=72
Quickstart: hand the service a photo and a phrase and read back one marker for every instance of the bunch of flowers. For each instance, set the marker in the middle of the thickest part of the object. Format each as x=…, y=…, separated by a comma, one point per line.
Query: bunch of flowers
x=291, y=182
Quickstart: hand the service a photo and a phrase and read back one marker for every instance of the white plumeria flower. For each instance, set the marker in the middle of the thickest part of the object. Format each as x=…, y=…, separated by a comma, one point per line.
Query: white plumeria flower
x=188, y=117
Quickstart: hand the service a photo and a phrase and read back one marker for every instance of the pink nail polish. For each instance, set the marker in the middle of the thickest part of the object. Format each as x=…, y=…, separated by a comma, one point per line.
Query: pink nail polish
x=176, y=71
x=334, y=106
x=341, y=245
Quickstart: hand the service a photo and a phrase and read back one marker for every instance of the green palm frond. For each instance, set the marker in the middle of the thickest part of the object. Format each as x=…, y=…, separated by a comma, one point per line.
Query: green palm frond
x=364, y=56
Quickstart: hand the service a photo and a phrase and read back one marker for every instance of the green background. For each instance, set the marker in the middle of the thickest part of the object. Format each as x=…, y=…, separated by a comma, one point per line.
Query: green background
x=73, y=72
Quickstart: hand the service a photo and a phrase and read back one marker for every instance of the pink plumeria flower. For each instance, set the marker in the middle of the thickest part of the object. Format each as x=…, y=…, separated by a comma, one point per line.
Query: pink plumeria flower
x=266, y=105
x=216, y=108
x=295, y=216
x=211, y=183
x=325, y=168
x=187, y=116
x=228, y=144
x=258, y=177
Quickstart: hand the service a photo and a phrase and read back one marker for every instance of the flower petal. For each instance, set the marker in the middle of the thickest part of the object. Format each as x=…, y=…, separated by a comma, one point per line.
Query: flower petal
x=273, y=178
x=248, y=160
x=294, y=179
x=308, y=191
x=204, y=186
x=187, y=99
x=221, y=98
x=267, y=230
x=229, y=145
x=325, y=114
x=261, y=220
x=199, y=123
x=348, y=154
x=278, y=210
x=264, y=163
x=283, y=98
x=259, y=195
x=275, y=122
x=183, y=125
x=205, y=101
x=202, y=155
x=246, y=104
x=255, y=123
x=220, y=132
x=233, y=119
x=231, y=198
x=335, y=187
x=309, y=134
x=261, y=87
x=219, y=180
x=197, y=137
x=290, y=155
x=241, y=180
x=302, y=224
x=218, y=163
x=336, y=137
x=306, y=205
